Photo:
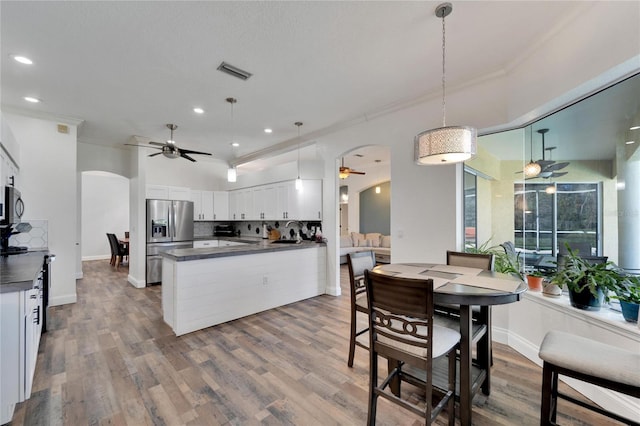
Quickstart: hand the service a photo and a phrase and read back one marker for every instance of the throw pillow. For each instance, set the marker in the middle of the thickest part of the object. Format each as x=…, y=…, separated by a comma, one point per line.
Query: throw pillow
x=386, y=241
x=356, y=237
x=345, y=241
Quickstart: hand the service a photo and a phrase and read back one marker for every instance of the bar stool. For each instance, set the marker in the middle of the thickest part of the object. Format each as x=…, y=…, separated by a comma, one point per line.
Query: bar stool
x=589, y=361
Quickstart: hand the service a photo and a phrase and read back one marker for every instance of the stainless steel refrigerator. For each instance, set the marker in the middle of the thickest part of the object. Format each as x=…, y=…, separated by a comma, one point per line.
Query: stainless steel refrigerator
x=169, y=226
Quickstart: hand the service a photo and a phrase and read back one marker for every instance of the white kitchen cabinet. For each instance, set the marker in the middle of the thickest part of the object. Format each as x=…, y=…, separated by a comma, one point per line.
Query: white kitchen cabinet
x=220, y=205
x=205, y=243
x=157, y=192
x=179, y=193
x=309, y=200
x=225, y=243
x=166, y=192
x=241, y=204
x=264, y=202
x=286, y=202
x=202, y=204
x=20, y=327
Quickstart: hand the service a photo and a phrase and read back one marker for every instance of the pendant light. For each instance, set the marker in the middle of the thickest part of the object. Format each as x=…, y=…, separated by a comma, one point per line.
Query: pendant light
x=446, y=144
x=532, y=169
x=232, y=174
x=298, y=180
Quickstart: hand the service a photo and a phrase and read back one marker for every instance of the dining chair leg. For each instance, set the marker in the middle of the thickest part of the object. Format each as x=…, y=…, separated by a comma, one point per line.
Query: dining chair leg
x=485, y=350
x=352, y=339
x=373, y=396
x=548, y=400
x=451, y=404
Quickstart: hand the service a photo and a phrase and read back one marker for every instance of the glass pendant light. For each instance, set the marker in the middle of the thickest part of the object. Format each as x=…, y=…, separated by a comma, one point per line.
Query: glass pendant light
x=232, y=174
x=446, y=144
x=298, y=180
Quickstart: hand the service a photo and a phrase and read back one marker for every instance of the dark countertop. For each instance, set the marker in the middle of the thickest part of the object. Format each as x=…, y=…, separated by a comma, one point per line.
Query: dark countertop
x=252, y=246
x=17, y=271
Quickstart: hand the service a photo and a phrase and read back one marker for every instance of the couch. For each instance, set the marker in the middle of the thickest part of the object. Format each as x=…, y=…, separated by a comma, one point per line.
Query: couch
x=376, y=242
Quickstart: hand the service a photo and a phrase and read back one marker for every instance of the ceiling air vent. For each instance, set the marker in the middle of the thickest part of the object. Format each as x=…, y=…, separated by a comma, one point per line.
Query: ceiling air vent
x=234, y=71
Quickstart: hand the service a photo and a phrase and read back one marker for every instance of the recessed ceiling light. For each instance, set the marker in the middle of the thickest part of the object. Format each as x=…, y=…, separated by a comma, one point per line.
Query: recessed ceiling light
x=267, y=130
x=31, y=99
x=634, y=128
x=22, y=59
x=630, y=142
x=198, y=110
x=235, y=144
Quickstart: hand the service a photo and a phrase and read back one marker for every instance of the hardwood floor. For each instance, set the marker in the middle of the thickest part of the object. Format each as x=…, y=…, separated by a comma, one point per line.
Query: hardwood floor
x=110, y=359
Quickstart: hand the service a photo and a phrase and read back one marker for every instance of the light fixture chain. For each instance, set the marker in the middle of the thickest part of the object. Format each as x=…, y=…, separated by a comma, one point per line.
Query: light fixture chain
x=444, y=114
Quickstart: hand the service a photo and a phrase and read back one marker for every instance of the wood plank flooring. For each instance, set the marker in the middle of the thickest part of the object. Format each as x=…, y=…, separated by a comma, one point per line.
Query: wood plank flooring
x=109, y=359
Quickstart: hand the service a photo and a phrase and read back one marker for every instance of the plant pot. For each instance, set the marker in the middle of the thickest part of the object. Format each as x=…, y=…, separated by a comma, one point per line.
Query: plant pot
x=629, y=311
x=585, y=300
x=535, y=283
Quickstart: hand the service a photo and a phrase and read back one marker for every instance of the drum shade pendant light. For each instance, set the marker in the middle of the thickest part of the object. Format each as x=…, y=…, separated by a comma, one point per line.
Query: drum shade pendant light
x=446, y=144
x=298, y=180
x=232, y=175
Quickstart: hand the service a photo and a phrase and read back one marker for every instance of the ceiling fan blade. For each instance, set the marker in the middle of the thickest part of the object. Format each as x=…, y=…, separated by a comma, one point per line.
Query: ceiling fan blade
x=142, y=146
x=545, y=163
x=556, y=166
x=183, y=155
x=157, y=143
x=558, y=174
x=353, y=172
x=153, y=155
x=188, y=151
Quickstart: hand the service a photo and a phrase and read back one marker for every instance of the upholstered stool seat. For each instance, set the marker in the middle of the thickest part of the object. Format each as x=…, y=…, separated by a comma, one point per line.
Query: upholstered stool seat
x=589, y=361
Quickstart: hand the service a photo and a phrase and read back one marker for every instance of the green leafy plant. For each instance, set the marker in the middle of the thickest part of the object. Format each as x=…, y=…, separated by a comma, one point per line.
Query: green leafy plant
x=579, y=274
x=502, y=262
x=628, y=290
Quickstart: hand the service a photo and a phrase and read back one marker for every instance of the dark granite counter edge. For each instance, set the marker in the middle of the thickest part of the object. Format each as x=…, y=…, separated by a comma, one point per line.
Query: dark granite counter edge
x=182, y=255
x=19, y=270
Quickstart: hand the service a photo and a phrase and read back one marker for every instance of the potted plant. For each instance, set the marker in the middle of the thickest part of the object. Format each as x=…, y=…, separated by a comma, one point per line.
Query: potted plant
x=588, y=283
x=628, y=293
x=534, y=280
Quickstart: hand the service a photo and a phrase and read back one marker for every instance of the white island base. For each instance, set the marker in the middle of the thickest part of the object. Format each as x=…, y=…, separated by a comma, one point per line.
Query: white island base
x=201, y=293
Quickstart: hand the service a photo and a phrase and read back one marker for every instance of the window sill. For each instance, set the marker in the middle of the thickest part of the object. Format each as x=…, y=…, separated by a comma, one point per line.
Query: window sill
x=606, y=317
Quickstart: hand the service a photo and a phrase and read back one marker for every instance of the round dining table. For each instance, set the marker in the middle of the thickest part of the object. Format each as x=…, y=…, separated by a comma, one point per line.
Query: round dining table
x=466, y=287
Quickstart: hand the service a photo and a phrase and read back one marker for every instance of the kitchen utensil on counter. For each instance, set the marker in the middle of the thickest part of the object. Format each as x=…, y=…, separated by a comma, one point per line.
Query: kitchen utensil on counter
x=274, y=234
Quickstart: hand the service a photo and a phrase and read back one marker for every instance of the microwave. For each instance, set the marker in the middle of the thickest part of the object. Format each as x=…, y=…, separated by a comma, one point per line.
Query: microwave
x=14, y=206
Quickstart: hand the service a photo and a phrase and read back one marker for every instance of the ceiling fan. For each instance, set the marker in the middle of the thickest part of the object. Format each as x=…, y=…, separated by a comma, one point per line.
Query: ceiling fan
x=169, y=148
x=544, y=168
x=346, y=171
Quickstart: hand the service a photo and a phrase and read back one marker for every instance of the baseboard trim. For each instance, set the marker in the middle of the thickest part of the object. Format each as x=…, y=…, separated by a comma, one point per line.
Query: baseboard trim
x=97, y=257
x=135, y=282
x=63, y=300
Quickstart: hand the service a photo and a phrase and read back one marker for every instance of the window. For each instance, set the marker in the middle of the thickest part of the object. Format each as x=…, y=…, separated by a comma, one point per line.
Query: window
x=545, y=220
x=470, y=210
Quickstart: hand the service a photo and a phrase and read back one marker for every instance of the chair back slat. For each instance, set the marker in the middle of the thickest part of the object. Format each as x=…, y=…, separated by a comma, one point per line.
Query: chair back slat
x=470, y=260
x=359, y=262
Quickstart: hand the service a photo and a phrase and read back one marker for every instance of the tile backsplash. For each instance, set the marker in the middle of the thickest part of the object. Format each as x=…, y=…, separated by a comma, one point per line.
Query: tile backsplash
x=36, y=238
x=254, y=229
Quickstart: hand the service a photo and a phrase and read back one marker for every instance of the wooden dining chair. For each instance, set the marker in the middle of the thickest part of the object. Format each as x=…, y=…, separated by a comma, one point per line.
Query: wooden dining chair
x=358, y=262
x=401, y=329
x=117, y=250
x=481, y=327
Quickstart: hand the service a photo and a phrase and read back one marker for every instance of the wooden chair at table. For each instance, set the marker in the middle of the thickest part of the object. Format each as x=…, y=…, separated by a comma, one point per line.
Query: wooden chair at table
x=358, y=262
x=114, y=250
x=481, y=314
x=120, y=250
x=401, y=329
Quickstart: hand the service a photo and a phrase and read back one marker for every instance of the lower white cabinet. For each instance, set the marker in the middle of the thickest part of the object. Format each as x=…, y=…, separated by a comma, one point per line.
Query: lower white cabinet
x=21, y=315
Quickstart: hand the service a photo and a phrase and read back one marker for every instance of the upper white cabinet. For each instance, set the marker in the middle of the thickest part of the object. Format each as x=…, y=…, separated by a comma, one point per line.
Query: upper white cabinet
x=165, y=192
x=220, y=205
x=277, y=201
x=241, y=204
x=202, y=204
x=309, y=200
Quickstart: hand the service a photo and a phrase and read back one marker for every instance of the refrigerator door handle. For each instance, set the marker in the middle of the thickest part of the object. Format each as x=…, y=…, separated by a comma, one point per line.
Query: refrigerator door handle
x=175, y=219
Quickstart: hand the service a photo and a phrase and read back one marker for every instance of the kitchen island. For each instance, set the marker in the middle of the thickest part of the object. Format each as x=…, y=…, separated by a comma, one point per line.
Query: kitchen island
x=202, y=287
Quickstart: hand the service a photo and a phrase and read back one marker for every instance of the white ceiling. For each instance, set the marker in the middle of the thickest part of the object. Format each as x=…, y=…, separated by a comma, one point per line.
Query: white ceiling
x=128, y=68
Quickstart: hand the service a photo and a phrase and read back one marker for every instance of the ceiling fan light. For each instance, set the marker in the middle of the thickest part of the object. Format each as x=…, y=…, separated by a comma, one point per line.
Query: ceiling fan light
x=532, y=169
x=445, y=145
x=343, y=174
x=551, y=189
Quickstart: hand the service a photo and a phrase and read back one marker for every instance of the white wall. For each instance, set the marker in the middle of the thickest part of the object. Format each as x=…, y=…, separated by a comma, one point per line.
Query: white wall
x=48, y=185
x=105, y=209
